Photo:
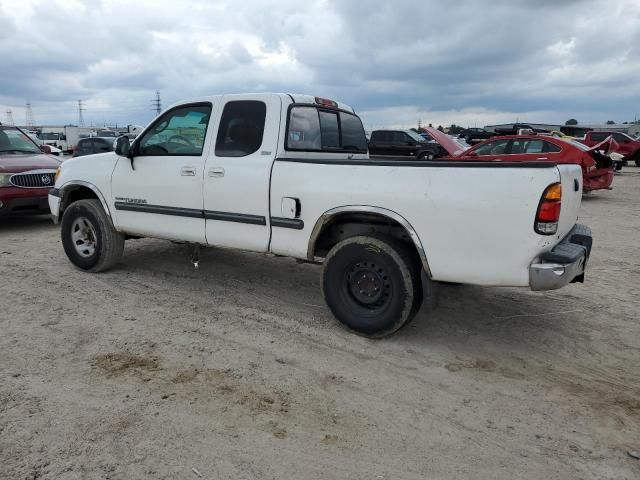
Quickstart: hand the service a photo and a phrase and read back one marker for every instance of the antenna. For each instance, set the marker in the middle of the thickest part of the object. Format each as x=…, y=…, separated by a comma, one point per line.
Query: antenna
x=10, y=117
x=80, y=115
x=29, y=116
x=157, y=103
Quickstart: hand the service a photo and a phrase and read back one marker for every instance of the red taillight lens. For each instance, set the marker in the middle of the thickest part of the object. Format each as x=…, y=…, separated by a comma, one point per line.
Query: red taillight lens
x=548, y=212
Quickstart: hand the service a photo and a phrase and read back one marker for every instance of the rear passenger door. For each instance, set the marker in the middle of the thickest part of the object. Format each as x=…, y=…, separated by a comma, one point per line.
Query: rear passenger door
x=238, y=170
x=493, y=150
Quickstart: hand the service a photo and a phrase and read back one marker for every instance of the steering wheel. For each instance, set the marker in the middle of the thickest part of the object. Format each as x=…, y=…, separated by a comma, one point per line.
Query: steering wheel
x=180, y=138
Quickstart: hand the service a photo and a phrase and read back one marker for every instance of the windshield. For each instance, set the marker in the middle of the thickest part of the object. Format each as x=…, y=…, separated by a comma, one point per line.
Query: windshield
x=577, y=144
x=12, y=140
x=414, y=135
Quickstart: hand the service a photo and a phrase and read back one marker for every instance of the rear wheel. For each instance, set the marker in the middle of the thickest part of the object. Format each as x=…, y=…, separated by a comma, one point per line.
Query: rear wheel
x=372, y=284
x=88, y=238
x=637, y=159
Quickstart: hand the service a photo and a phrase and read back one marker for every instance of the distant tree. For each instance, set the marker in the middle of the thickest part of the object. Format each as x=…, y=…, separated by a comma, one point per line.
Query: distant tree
x=571, y=121
x=610, y=122
x=455, y=129
x=431, y=125
x=440, y=128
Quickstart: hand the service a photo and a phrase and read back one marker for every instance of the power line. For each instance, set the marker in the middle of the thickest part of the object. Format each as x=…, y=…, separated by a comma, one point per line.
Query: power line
x=80, y=115
x=30, y=120
x=157, y=103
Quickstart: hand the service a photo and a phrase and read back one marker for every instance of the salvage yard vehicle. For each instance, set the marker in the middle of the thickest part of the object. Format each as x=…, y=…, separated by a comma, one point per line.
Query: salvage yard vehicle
x=475, y=135
x=626, y=146
x=26, y=173
x=290, y=175
x=596, y=162
x=91, y=145
x=403, y=143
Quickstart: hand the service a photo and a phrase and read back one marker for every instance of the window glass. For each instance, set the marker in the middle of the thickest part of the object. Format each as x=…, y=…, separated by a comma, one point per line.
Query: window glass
x=381, y=137
x=414, y=136
x=534, y=146
x=551, y=147
x=620, y=138
x=329, y=131
x=497, y=147
x=13, y=140
x=84, y=147
x=304, y=129
x=400, y=138
x=178, y=132
x=241, y=128
x=598, y=137
x=353, y=137
x=101, y=146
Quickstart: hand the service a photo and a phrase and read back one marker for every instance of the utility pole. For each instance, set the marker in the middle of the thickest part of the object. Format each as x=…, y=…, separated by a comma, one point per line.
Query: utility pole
x=10, y=117
x=80, y=114
x=419, y=125
x=157, y=103
x=29, y=116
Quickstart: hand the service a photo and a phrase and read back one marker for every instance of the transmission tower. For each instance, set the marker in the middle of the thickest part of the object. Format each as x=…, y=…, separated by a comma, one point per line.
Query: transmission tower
x=80, y=115
x=10, y=117
x=157, y=103
x=29, y=116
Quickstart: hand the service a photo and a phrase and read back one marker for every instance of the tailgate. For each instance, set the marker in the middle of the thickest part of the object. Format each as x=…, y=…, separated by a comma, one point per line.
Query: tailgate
x=571, y=178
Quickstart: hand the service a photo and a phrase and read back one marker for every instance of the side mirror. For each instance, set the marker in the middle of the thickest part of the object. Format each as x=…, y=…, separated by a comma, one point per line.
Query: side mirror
x=123, y=148
x=45, y=149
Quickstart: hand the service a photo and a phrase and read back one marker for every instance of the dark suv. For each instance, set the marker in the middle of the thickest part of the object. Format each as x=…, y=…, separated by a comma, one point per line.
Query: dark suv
x=475, y=135
x=402, y=143
x=89, y=146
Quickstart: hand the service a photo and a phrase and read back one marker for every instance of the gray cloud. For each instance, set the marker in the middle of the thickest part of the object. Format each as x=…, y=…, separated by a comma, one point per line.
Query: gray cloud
x=394, y=61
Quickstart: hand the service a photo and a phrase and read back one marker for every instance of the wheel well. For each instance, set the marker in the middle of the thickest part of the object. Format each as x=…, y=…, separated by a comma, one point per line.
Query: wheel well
x=75, y=193
x=351, y=224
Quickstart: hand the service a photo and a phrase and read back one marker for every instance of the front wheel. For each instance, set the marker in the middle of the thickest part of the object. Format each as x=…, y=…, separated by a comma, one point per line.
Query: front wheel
x=372, y=284
x=88, y=237
x=426, y=156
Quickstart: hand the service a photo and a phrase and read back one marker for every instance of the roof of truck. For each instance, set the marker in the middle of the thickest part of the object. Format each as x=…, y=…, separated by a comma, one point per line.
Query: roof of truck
x=296, y=97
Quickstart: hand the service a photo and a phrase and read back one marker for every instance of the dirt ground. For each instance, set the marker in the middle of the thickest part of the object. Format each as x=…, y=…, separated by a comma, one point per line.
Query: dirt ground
x=238, y=371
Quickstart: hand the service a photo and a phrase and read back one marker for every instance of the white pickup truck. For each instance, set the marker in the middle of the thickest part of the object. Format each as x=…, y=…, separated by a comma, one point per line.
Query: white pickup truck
x=290, y=175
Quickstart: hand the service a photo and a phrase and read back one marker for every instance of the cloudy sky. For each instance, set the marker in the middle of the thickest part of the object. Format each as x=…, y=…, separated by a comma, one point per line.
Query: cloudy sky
x=395, y=62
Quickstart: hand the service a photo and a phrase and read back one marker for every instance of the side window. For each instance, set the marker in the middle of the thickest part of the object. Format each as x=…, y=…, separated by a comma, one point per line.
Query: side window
x=551, y=147
x=620, y=138
x=178, y=132
x=304, y=129
x=400, y=138
x=534, y=146
x=497, y=147
x=598, y=137
x=329, y=130
x=101, y=146
x=241, y=128
x=353, y=137
x=84, y=147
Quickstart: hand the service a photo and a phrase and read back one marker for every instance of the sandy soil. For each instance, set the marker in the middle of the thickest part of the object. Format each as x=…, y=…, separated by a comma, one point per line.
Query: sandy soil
x=238, y=370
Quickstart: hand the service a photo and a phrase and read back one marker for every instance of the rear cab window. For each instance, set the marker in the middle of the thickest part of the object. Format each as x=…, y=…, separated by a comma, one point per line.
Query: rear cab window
x=316, y=129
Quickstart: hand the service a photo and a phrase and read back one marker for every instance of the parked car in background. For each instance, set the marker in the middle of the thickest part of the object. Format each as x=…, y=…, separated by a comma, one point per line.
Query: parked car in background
x=56, y=152
x=475, y=135
x=26, y=173
x=53, y=139
x=596, y=163
x=402, y=143
x=89, y=146
x=627, y=146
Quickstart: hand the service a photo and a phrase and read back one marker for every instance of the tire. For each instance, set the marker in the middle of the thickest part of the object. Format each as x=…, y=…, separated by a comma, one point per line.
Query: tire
x=88, y=237
x=637, y=159
x=391, y=294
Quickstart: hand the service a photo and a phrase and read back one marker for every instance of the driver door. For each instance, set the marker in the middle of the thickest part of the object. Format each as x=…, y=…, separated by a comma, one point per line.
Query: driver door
x=160, y=195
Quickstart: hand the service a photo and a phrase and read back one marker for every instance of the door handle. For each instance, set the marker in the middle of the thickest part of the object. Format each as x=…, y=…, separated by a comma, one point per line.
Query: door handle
x=542, y=158
x=216, y=172
x=188, y=171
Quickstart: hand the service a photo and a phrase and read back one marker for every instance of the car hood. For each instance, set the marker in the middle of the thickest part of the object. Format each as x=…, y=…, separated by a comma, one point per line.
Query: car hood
x=15, y=163
x=452, y=147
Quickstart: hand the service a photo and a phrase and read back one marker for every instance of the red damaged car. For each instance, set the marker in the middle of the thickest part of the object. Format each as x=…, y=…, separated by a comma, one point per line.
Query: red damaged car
x=597, y=166
x=27, y=173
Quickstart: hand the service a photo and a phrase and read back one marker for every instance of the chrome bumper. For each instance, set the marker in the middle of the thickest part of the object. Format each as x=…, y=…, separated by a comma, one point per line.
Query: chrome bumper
x=54, y=204
x=563, y=264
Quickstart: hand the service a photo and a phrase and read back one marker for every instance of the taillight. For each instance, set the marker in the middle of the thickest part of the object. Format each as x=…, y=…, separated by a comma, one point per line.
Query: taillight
x=548, y=212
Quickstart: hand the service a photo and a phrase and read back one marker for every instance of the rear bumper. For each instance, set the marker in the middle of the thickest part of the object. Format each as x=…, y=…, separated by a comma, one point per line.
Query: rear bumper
x=563, y=264
x=599, y=179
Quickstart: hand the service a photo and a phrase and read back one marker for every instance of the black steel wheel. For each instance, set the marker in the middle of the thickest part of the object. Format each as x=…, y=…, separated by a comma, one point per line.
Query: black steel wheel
x=372, y=284
x=88, y=237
